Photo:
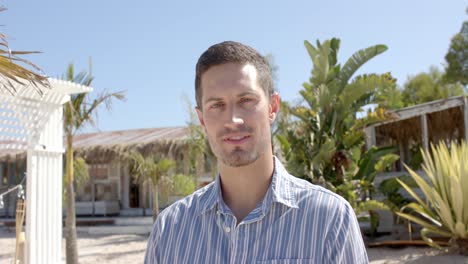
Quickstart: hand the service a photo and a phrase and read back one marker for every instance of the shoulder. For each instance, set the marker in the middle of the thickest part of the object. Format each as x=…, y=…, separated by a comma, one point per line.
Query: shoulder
x=309, y=195
x=175, y=222
x=188, y=206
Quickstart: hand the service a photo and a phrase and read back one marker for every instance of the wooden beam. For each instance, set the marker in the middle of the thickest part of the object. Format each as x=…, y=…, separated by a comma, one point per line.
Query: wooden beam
x=425, y=108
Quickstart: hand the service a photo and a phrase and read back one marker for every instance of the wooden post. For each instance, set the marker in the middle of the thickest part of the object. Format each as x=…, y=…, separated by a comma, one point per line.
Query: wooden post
x=401, y=146
x=370, y=137
x=424, y=132
x=20, y=212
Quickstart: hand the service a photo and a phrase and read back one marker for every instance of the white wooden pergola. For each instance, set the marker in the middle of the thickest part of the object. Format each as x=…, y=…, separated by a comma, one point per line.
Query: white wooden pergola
x=33, y=123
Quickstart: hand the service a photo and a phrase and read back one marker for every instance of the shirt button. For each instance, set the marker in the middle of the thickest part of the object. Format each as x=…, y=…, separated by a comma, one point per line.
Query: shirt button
x=227, y=229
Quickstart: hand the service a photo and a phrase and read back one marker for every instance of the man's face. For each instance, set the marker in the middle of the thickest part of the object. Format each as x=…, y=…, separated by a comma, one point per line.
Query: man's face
x=236, y=113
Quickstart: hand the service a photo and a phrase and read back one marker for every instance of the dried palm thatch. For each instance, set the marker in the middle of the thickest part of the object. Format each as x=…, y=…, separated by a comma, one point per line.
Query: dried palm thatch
x=105, y=153
x=408, y=129
x=442, y=125
x=446, y=124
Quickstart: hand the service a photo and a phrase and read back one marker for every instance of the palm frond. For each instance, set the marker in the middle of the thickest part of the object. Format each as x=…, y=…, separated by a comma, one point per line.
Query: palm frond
x=357, y=60
x=12, y=72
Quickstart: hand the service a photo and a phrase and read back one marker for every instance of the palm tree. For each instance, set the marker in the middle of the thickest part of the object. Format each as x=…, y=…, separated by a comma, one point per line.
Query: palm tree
x=11, y=72
x=150, y=169
x=78, y=112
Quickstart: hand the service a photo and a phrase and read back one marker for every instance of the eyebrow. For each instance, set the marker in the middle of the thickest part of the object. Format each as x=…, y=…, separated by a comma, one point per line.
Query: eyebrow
x=212, y=99
x=217, y=99
x=247, y=93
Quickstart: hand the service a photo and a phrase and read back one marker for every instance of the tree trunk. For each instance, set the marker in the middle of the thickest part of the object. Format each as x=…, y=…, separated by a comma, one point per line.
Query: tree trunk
x=155, y=202
x=70, y=227
x=70, y=222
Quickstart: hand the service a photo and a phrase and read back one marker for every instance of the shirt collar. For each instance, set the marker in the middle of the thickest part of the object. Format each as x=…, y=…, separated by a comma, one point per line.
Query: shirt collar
x=280, y=191
x=281, y=186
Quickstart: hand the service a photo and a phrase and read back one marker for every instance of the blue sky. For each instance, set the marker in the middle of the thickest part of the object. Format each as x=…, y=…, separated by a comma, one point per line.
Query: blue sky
x=150, y=48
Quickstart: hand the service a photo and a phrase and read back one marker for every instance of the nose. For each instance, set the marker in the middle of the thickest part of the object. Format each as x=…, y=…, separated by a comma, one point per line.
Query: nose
x=235, y=117
x=237, y=120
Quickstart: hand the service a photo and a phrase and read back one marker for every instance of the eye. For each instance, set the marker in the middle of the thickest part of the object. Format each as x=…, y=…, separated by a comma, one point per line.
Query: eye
x=246, y=100
x=217, y=105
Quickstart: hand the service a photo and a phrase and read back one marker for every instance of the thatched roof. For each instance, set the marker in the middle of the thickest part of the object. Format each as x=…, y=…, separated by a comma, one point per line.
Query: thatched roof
x=101, y=147
x=104, y=146
x=444, y=121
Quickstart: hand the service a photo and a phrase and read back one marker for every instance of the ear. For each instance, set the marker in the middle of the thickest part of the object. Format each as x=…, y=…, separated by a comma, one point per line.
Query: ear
x=200, y=116
x=274, y=107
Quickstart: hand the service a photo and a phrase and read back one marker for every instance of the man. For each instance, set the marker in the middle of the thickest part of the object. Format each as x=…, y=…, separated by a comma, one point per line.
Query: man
x=255, y=212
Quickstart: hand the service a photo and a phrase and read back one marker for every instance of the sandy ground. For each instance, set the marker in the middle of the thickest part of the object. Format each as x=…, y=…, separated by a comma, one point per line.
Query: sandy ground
x=131, y=249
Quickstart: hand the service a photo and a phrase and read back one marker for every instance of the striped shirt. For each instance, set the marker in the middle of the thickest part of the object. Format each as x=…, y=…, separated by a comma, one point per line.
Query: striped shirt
x=296, y=222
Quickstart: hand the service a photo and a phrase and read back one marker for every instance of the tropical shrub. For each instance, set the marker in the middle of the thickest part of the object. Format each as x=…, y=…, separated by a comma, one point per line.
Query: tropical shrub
x=444, y=211
x=152, y=170
x=390, y=188
x=319, y=136
x=322, y=139
x=183, y=184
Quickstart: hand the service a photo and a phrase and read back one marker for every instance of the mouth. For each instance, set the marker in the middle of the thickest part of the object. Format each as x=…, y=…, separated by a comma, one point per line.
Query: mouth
x=237, y=139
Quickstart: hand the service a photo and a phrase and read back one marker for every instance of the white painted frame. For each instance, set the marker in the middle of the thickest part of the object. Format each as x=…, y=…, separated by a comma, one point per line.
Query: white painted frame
x=34, y=123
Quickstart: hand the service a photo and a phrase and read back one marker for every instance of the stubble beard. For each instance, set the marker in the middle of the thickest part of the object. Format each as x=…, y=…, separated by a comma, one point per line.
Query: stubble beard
x=238, y=157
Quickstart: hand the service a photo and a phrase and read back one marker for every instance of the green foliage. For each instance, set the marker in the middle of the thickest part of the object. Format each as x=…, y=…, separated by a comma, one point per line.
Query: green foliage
x=373, y=161
x=81, y=110
x=183, y=184
x=444, y=211
x=81, y=171
x=388, y=95
x=426, y=87
x=150, y=169
x=319, y=136
x=390, y=188
x=198, y=145
x=15, y=69
x=78, y=112
x=357, y=185
x=81, y=175
x=457, y=57
x=416, y=156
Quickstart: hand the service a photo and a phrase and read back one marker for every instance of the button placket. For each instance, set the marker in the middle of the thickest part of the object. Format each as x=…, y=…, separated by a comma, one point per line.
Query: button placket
x=231, y=231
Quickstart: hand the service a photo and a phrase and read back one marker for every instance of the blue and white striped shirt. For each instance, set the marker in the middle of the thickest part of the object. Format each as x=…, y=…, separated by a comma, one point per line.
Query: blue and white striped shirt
x=296, y=222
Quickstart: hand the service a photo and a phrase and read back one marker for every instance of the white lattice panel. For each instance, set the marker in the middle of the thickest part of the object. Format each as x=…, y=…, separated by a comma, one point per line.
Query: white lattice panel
x=33, y=123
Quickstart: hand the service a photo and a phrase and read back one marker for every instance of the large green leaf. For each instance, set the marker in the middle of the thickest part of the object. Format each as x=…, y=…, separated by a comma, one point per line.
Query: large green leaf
x=367, y=163
x=357, y=60
x=371, y=205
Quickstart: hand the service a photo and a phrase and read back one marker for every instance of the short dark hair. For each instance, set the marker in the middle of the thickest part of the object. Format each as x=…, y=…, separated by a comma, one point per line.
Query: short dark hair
x=233, y=52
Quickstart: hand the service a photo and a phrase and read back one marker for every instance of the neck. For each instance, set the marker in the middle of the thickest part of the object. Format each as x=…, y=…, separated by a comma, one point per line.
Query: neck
x=244, y=187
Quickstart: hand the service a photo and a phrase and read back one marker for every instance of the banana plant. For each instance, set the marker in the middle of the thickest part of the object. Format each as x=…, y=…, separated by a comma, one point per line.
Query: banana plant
x=323, y=131
x=444, y=211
